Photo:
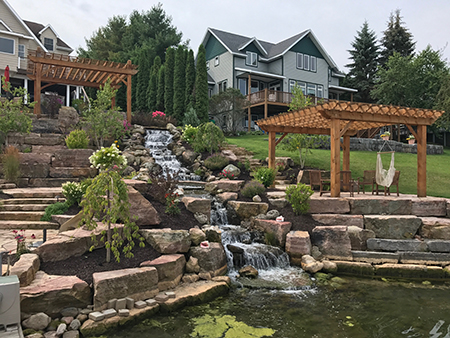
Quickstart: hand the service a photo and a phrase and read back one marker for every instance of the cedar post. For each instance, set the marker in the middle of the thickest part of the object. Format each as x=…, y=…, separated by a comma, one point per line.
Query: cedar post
x=265, y=103
x=37, y=90
x=346, y=150
x=422, y=161
x=335, y=155
x=271, y=149
x=249, y=102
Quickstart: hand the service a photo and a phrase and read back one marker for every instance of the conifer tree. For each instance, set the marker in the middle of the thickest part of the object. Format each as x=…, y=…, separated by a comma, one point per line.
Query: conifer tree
x=201, y=86
x=143, y=78
x=396, y=38
x=179, y=85
x=190, y=80
x=160, y=90
x=168, y=81
x=153, y=85
x=364, y=56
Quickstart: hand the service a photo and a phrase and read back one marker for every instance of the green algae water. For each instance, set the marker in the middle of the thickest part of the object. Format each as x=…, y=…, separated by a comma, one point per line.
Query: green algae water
x=355, y=308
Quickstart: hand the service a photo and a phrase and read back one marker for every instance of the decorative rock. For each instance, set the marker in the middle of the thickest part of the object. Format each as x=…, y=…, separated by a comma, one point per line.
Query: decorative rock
x=233, y=170
x=171, y=294
x=200, y=205
x=170, y=270
x=227, y=196
x=438, y=245
x=161, y=298
x=321, y=205
x=315, y=252
x=375, y=257
x=332, y=241
x=229, y=155
x=96, y=316
x=197, y=236
x=337, y=219
x=50, y=334
x=67, y=119
x=309, y=264
x=278, y=229
x=192, y=265
x=72, y=158
x=435, y=228
x=142, y=208
x=25, y=268
x=278, y=203
x=37, y=322
x=429, y=207
x=204, y=275
x=130, y=303
x=121, y=304
x=167, y=241
x=142, y=283
x=82, y=318
x=201, y=218
x=75, y=324
x=224, y=185
x=89, y=310
x=61, y=329
x=212, y=259
x=190, y=278
x=69, y=312
x=67, y=320
x=124, y=313
x=245, y=210
x=71, y=334
x=109, y=313
x=256, y=198
x=393, y=245
x=248, y=271
x=213, y=234
x=383, y=205
x=189, y=157
x=112, y=303
x=329, y=267
x=35, y=335
x=359, y=237
x=393, y=227
x=272, y=214
x=140, y=304
x=298, y=244
x=151, y=302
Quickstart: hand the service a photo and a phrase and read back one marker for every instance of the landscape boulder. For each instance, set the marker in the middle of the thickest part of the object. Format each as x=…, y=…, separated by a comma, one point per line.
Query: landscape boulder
x=309, y=264
x=298, y=244
x=211, y=259
x=142, y=208
x=275, y=229
x=198, y=205
x=72, y=158
x=197, y=236
x=332, y=241
x=232, y=170
x=25, y=268
x=170, y=270
x=248, y=271
x=245, y=210
x=435, y=228
x=393, y=226
x=38, y=321
x=167, y=241
x=359, y=237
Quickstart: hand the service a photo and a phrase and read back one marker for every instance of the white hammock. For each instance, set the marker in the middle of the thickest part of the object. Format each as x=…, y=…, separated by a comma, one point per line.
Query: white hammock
x=384, y=177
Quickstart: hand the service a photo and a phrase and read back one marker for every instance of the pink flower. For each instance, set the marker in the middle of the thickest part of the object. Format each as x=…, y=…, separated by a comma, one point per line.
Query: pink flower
x=33, y=236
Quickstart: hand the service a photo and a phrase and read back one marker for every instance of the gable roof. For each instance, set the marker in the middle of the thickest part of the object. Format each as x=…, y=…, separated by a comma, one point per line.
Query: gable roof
x=38, y=28
x=234, y=43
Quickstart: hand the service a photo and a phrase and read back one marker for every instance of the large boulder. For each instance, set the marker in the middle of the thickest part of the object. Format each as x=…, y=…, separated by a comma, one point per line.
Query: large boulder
x=232, y=170
x=136, y=283
x=37, y=322
x=309, y=264
x=170, y=270
x=338, y=219
x=198, y=205
x=25, y=268
x=382, y=205
x=72, y=158
x=197, y=236
x=322, y=205
x=227, y=196
x=189, y=157
x=51, y=294
x=359, y=237
x=211, y=259
x=429, y=207
x=298, y=244
x=248, y=271
x=72, y=172
x=435, y=228
x=167, y=241
x=246, y=210
x=142, y=208
x=393, y=227
x=332, y=241
x=278, y=230
x=224, y=186
x=229, y=155
x=68, y=118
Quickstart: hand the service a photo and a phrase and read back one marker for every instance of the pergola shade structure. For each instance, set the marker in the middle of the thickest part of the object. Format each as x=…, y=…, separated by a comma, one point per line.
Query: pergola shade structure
x=344, y=119
x=55, y=68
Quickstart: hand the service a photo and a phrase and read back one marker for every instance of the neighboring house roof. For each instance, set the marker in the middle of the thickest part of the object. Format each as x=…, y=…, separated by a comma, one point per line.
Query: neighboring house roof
x=235, y=43
x=37, y=30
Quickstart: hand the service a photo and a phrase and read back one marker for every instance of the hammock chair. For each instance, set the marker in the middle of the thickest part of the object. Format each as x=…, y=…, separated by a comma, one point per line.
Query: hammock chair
x=385, y=177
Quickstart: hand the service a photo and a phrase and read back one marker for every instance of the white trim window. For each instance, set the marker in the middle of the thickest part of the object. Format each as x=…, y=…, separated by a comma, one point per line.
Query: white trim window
x=313, y=64
x=48, y=44
x=300, y=60
x=222, y=86
x=216, y=61
x=319, y=90
x=251, y=59
x=207, y=65
x=306, y=62
x=302, y=85
x=292, y=84
x=22, y=51
x=311, y=89
x=7, y=46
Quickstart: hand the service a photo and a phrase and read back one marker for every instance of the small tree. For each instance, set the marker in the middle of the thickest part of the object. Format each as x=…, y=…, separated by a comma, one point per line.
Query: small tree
x=227, y=108
x=209, y=138
x=106, y=200
x=190, y=118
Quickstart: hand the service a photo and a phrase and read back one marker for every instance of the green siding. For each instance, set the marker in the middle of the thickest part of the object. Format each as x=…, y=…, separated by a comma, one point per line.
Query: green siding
x=214, y=48
x=306, y=46
x=252, y=48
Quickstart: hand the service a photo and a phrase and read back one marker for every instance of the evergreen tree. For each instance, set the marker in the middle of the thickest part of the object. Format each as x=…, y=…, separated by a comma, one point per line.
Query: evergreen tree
x=396, y=38
x=160, y=91
x=168, y=81
x=179, y=85
x=201, y=86
x=363, y=68
x=190, y=80
x=143, y=79
x=153, y=85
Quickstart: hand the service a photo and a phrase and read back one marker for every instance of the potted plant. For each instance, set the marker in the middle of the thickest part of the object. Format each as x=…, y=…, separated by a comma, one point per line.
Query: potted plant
x=386, y=135
x=411, y=139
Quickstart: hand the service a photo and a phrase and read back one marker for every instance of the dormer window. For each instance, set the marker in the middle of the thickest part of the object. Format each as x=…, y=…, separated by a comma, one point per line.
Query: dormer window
x=48, y=44
x=252, y=59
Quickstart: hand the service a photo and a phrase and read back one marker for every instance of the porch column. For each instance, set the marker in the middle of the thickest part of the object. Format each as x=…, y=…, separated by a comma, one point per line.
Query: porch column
x=421, y=161
x=77, y=92
x=67, y=95
x=25, y=86
x=271, y=149
x=346, y=150
x=335, y=158
x=37, y=90
x=249, y=113
x=266, y=106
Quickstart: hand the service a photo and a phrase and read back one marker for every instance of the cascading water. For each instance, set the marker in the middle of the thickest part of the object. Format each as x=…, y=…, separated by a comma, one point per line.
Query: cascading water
x=157, y=141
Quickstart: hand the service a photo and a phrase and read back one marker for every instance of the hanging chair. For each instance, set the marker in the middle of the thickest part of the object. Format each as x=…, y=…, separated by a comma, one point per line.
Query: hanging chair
x=385, y=177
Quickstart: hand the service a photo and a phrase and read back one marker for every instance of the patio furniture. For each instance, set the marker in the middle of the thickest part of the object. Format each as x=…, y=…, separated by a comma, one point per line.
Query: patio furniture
x=347, y=183
x=367, y=179
x=387, y=190
x=315, y=179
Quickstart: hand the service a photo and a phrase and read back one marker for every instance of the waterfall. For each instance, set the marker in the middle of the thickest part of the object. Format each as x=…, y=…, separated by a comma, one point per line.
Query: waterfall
x=157, y=141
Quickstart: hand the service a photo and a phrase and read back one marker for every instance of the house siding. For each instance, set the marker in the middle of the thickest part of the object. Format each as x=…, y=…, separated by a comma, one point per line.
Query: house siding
x=276, y=67
x=213, y=48
x=306, y=46
x=9, y=59
x=222, y=72
x=10, y=19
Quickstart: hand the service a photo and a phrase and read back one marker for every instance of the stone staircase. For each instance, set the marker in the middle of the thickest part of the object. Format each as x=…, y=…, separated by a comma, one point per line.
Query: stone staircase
x=26, y=207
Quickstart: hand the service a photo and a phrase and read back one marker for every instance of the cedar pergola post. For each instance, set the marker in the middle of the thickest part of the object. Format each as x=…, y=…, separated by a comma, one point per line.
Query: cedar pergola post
x=272, y=149
x=421, y=161
x=346, y=151
x=335, y=158
x=37, y=90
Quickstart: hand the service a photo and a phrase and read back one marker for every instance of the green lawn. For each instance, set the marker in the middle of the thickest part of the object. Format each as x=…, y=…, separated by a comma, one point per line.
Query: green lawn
x=438, y=166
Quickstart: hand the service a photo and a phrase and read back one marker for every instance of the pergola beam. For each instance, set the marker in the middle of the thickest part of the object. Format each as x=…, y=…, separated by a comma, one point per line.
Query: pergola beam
x=376, y=118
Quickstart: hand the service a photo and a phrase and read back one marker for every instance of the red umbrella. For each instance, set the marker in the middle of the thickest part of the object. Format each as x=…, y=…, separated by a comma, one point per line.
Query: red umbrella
x=7, y=74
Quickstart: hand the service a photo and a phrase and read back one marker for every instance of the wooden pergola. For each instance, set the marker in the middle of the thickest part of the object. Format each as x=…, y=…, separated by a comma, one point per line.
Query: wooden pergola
x=344, y=119
x=55, y=68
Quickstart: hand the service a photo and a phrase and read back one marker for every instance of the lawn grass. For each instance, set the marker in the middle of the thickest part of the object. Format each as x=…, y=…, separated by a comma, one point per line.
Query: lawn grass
x=438, y=166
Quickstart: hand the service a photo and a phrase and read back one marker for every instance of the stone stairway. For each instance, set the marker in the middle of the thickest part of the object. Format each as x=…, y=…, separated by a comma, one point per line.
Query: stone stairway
x=26, y=207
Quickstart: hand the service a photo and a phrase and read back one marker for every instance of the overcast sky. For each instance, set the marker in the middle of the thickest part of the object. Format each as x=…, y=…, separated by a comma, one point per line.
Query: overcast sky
x=334, y=22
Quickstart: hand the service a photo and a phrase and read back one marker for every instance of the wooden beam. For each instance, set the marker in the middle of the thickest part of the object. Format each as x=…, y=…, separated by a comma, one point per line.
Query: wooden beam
x=280, y=139
x=66, y=81
x=335, y=158
x=421, y=161
x=296, y=130
x=344, y=130
x=272, y=149
x=377, y=118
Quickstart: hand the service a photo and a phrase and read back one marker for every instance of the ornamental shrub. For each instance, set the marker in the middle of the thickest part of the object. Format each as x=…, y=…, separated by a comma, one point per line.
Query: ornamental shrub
x=189, y=133
x=77, y=139
x=299, y=195
x=11, y=164
x=252, y=188
x=191, y=118
x=209, y=138
x=216, y=162
x=58, y=208
x=265, y=175
x=108, y=158
x=72, y=192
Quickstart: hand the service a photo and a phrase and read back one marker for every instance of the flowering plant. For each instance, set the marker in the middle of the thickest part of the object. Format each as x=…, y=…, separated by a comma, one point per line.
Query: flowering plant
x=226, y=174
x=386, y=133
x=19, y=236
x=158, y=114
x=279, y=166
x=172, y=204
x=126, y=125
x=411, y=137
x=108, y=158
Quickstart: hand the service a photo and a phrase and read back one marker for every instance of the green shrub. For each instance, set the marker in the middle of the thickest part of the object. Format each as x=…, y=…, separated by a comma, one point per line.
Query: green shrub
x=189, y=133
x=190, y=118
x=209, y=138
x=11, y=164
x=265, y=175
x=58, y=208
x=72, y=192
x=252, y=188
x=298, y=195
x=216, y=162
x=77, y=139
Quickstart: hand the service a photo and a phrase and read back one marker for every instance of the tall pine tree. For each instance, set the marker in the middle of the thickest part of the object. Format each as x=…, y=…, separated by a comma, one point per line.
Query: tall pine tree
x=364, y=56
x=190, y=80
x=396, y=38
x=201, y=86
x=160, y=90
x=168, y=81
x=153, y=85
x=179, y=84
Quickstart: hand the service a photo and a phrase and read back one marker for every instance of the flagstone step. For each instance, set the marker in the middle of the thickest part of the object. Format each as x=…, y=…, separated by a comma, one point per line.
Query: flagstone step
x=22, y=201
x=7, y=186
x=16, y=225
x=34, y=192
x=24, y=207
x=21, y=215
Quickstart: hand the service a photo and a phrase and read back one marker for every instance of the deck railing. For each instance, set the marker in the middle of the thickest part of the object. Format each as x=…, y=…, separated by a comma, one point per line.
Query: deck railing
x=277, y=97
